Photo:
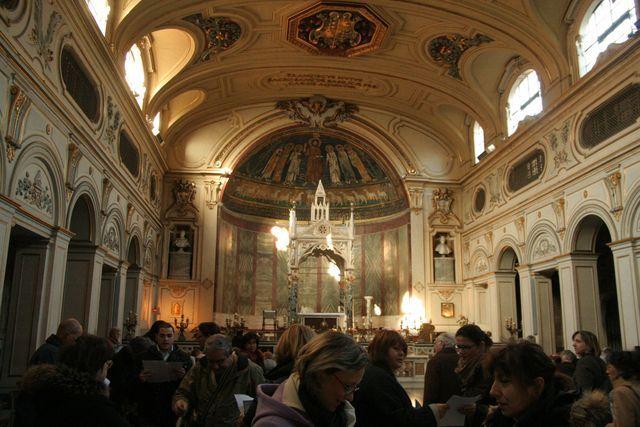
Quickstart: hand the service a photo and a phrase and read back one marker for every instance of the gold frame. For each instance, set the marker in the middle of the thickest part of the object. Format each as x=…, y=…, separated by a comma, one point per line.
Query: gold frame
x=447, y=310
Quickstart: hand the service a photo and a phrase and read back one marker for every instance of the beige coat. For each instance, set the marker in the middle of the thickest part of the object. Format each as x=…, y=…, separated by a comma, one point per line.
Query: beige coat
x=625, y=403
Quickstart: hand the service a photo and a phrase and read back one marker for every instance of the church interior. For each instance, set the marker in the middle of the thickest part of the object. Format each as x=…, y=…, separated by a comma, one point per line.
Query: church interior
x=411, y=165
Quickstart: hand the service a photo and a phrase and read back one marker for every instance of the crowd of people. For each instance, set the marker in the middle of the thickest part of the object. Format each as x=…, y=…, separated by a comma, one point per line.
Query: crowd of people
x=324, y=379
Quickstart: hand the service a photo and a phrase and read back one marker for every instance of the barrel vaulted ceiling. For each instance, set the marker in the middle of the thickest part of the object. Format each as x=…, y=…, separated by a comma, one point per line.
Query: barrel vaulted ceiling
x=211, y=59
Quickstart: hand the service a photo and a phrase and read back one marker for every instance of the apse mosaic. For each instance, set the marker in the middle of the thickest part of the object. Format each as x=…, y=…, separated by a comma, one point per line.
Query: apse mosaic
x=288, y=167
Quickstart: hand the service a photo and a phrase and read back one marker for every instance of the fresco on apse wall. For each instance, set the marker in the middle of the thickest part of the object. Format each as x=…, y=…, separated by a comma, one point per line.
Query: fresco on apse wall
x=287, y=168
x=252, y=274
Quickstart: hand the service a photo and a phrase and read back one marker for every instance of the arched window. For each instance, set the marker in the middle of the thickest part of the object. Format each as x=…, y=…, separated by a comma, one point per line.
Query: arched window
x=100, y=10
x=134, y=73
x=611, y=21
x=79, y=85
x=156, y=125
x=524, y=99
x=478, y=141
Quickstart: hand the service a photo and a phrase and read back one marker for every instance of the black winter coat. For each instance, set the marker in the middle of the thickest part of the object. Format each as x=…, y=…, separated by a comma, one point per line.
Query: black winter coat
x=382, y=401
x=591, y=373
x=552, y=411
x=47, y=352
x=154, y=399
x=58, y=396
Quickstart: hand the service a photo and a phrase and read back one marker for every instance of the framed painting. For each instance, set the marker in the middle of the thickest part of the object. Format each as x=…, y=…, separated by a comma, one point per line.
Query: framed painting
x=447, y=310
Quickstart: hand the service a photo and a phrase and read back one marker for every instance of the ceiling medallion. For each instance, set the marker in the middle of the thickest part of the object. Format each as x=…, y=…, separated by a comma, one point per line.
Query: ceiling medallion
x=448, y=49
x=337, y=29
x=220, y=34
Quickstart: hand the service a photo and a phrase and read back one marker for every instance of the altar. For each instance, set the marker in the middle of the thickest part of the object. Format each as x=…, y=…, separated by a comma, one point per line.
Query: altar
x=315, y=320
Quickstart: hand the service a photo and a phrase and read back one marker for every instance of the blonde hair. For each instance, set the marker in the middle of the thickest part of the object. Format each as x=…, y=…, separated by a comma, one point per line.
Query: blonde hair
x=328, y=353
x=291, y=341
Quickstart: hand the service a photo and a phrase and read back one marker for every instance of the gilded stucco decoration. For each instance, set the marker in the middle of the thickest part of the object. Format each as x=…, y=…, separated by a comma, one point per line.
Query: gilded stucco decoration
x=337, y=29
x=43, y=38
x=184, y=194
x=219, y=32
x=448, y=49
x=113, y=123
x=317, y=111
x=19, y=104
x=35, y=192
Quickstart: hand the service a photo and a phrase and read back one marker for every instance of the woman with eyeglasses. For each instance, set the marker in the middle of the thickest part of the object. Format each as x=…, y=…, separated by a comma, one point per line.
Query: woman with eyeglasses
x=590, y=372
x=73, y=393
x=381, y=400
x=472, y=345
x=327, y=372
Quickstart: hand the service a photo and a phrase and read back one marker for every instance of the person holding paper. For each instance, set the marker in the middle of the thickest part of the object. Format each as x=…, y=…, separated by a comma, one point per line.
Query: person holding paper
x=207, y=394
x=472, y=344
x=154, y=397
x=381, y=400
x=527, y=390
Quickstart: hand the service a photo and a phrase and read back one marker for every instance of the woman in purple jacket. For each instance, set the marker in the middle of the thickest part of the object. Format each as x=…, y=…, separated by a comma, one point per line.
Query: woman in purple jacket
x=327, y=372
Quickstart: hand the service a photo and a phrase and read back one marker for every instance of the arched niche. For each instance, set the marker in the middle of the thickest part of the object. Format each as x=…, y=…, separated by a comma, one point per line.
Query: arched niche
x=82, y=222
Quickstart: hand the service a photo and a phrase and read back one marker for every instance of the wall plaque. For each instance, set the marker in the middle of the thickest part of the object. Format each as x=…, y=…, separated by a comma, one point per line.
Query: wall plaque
x=619, y=112
x=526, y=170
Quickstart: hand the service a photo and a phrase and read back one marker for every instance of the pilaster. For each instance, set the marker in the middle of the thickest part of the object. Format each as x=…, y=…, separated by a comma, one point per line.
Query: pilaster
x=626, y=259
x=53, y=289
x=94, y=292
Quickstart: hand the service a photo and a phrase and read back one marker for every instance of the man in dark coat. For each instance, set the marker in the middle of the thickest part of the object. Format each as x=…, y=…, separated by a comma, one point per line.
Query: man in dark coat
x=154, y=398
x=66, y=334
x=438, y=383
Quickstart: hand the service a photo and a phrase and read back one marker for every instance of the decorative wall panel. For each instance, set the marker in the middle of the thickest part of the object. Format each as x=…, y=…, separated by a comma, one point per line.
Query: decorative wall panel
x=252, y=275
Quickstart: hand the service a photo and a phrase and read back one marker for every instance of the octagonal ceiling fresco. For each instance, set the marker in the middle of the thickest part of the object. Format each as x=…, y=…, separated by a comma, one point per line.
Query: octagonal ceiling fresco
x=337, y=29
x=286, y=168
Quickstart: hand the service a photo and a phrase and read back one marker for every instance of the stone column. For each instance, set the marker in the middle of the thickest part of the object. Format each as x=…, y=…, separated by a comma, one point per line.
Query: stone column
x=626, y=258
x=546, y=336
x=53, y=289
x=94, y=292
x=7, y=211
x=528, y=302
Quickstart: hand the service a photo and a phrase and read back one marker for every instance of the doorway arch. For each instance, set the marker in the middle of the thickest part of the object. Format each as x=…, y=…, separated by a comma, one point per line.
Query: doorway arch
x=81, y=257
x=509, y=295
x=596, y=286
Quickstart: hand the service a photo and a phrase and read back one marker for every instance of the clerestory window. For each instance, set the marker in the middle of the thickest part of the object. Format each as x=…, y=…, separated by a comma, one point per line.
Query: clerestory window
x=525, y=99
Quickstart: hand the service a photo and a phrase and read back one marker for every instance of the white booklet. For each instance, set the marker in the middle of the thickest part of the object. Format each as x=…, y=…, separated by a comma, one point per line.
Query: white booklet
x=452, y=417
x=244, y=402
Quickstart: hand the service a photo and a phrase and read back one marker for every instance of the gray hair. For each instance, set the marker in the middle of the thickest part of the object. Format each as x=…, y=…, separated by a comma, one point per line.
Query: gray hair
x=447, y=339
x=329, y=352
x=68, y=327
x=218, y=342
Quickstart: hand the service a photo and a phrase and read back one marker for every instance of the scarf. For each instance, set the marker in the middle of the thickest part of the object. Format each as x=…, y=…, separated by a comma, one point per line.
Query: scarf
x=466, y=369
x=319, y=416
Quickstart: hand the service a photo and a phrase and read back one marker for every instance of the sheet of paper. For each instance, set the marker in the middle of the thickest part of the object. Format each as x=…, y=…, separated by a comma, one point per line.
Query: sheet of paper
x=162, y=371
x=452, y=417
x=244, y=402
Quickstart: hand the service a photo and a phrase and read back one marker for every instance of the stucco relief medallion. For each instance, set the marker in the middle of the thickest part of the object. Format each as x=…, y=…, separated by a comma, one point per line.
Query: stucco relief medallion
x=111, y=239
x=220, y=34
x=35, y=192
